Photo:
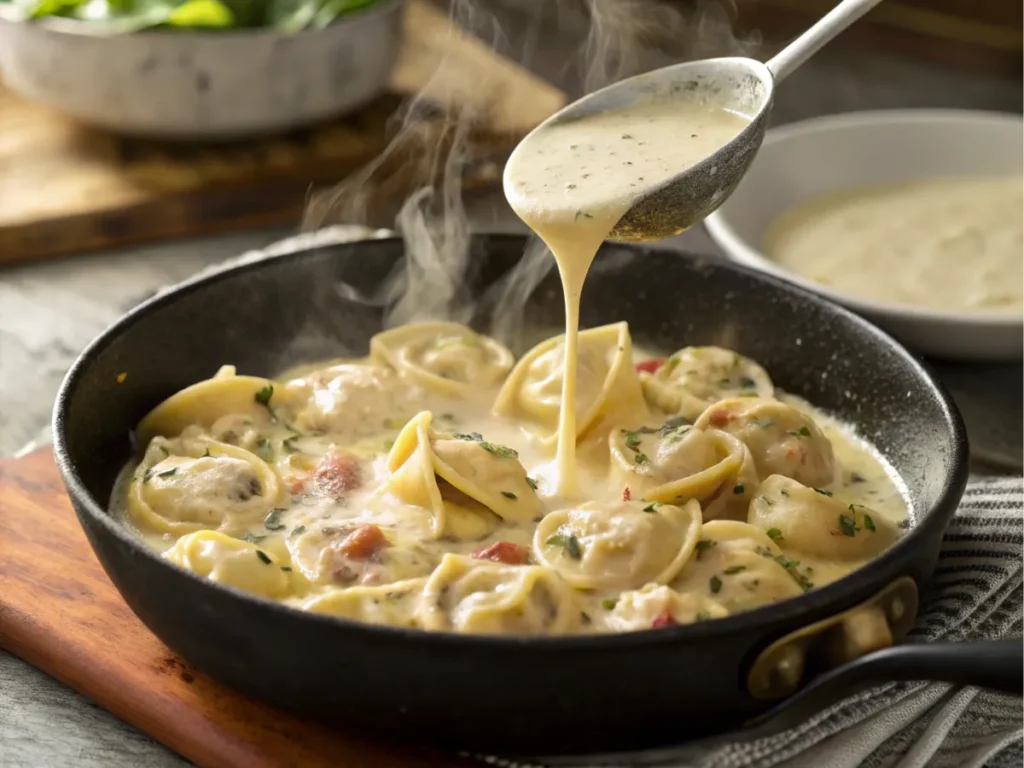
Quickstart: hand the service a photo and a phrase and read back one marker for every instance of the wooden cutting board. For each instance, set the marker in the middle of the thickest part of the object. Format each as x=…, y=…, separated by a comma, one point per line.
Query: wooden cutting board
x=59, y=612
x=66, y=189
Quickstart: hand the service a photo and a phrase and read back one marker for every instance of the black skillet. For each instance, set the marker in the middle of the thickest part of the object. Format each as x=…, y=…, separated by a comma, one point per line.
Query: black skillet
x=515, y=695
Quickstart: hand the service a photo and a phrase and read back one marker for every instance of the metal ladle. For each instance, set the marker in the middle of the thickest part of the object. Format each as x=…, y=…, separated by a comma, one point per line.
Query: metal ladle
x=738, y=83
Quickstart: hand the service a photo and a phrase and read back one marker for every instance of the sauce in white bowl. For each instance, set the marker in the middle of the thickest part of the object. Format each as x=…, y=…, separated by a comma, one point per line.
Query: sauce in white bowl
x=827, y=161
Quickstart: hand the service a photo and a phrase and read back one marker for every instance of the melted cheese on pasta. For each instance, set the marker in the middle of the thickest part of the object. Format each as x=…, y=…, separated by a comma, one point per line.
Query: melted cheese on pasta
x=408, y=488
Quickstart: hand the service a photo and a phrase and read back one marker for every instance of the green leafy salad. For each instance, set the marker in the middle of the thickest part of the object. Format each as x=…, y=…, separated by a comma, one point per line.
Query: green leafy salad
x=135, y=15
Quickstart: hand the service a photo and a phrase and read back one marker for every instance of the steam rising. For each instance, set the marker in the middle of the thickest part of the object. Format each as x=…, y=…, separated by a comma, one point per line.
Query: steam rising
x=433, y=147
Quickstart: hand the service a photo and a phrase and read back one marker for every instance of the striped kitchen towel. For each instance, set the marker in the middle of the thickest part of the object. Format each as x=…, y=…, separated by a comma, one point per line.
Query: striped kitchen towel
x=978, y=594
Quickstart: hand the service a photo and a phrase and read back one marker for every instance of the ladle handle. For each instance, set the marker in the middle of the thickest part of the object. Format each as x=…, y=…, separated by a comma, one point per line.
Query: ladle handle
x=812, y=41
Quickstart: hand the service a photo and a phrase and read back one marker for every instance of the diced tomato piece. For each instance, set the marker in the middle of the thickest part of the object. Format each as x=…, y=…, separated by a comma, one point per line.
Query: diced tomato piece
x=365, y=541
x=337, y=474
x=719, y=418
x=297, y=485
x=664, y=619
x=626, y=495
x=650, y=366
x=503, y=552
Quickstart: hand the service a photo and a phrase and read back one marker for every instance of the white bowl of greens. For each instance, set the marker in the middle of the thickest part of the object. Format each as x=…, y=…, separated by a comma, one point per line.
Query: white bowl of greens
x=199, y=68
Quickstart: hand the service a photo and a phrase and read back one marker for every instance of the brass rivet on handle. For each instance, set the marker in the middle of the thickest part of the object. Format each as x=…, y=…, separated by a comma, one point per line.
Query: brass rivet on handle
x=882, y=619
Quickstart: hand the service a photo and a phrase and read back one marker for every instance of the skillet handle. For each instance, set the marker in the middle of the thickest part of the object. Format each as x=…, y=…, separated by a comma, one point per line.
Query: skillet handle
x=994, y=664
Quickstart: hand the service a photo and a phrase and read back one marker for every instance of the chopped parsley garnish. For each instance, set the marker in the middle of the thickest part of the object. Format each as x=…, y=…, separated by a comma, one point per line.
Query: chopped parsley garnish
x=734, y=569
x=640, y=458
x=626, y=136
x=448, y=416
x=632, y=440
x=168, y=472
x=206, y=453
x=288, y=444
x=714, y=584
x=738, y=488
x=609, y=603
x=823, y=492
x=532, y=483
x=500, y=450
x=569, y=543
x=475, y=437
x=286, y=568
x=264, y=449
x=582, y=215
x=252, y=538
x=869, y=524
x=298, y=530
x=791, y=566
x=704, y=544
x=856, y=477
x=164, y=449
x=747, y=383
x=263, y=557
x=263, y=396
x=701, y=616
x=272, y=522
x=802, y=432
x=847, y=525
x=676, y=422
x=774, y=534
x=509, y=495
x=652, y=506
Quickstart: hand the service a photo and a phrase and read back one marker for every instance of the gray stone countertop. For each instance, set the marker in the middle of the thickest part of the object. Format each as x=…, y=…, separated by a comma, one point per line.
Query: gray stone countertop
x=50, y=310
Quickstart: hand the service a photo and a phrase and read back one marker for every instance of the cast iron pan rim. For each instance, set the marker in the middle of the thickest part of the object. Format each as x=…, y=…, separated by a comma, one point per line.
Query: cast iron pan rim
x=840, y=593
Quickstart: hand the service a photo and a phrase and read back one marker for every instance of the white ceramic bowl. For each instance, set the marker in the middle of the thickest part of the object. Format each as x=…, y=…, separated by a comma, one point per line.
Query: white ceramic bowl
x=188, y=84
x=831, y=154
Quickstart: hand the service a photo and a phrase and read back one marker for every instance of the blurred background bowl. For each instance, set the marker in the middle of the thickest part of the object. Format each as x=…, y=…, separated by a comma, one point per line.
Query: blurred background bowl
x=202, y=84
x=825, y=155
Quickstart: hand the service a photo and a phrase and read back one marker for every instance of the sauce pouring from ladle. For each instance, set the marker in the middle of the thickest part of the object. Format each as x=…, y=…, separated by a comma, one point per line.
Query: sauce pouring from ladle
x=641, y=160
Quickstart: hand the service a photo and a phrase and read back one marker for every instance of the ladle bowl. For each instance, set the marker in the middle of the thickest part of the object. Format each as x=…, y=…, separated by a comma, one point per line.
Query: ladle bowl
x=736, y=83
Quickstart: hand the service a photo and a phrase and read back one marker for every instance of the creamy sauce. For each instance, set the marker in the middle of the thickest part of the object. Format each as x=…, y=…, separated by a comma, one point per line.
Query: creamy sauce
x=945, y=244
x=417, y=486
x=407, y=488
x=572, y=181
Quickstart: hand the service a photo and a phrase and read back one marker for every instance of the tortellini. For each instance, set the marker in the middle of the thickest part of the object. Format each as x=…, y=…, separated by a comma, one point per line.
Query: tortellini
x=233, y=563
x=738, y=566
x=677, y=462
x=462, y=479
x=621, y=545
x=392, y=604
x=354, y=400
x=204, y=403
x=607, y=388
x=656, y=606
x=188, y=485
x=695, y=377
x=323, y=555
x=420, y=486
x=483, y=597
x=814, y=523
x=447, y=358
x=783, y=440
